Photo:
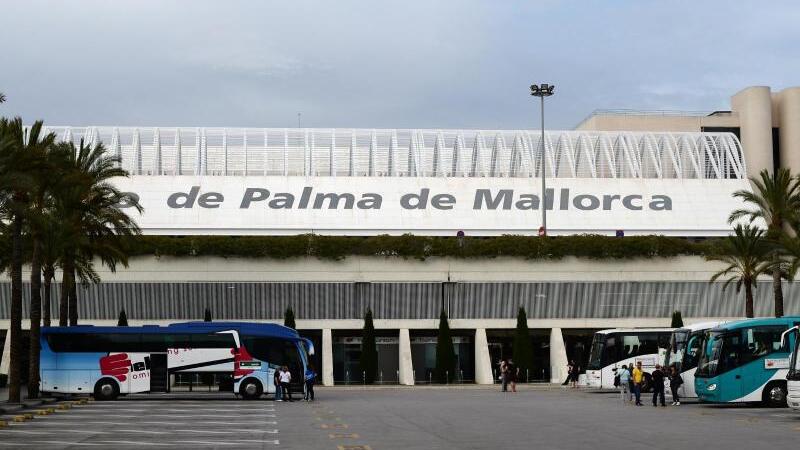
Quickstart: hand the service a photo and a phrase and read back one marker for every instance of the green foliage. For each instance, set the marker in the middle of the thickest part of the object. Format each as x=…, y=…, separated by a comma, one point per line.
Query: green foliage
x=677, y=320
x=288, y=318
x=445, y=371
x=369, y=350
x=207, y=315
x=522, y=347
x=416, y=247
x=123, y=319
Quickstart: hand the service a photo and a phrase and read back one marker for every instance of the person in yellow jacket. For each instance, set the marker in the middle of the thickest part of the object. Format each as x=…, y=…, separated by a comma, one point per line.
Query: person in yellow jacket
x=638, y=379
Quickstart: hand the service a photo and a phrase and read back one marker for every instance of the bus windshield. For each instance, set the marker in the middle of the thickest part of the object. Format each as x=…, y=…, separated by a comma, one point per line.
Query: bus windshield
x=709, y=354
x=596, y=352
x=677, y=348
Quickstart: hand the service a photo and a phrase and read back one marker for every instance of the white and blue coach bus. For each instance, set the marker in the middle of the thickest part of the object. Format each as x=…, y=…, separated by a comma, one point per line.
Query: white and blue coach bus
x=109, y=361
x=746, y=361
x=623, y=346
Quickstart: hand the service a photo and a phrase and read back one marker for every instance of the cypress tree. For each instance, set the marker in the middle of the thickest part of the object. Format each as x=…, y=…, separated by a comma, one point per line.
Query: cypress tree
x=445, y=353
x=288, y=318
x=677, y=320
x=369, y=351
x=522, y=348
x=207, y=315
x=123, y=319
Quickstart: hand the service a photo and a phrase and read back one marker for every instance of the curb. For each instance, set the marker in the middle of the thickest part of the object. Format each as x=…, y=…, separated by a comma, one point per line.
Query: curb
x=9, y=408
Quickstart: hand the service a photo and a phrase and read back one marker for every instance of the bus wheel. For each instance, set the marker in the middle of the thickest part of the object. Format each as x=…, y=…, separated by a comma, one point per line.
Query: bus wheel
x=774, y=395
x=251, y=389
x=106, y=389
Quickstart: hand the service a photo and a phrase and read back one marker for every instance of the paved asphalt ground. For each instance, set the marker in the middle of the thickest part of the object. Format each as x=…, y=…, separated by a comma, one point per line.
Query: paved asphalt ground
x=399, y=418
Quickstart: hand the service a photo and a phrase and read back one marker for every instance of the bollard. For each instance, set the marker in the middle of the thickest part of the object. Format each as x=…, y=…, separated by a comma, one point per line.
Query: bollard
x=430, y=377
x=527, y=376
x=446, y=377
x=364, y=377
x=347, y=377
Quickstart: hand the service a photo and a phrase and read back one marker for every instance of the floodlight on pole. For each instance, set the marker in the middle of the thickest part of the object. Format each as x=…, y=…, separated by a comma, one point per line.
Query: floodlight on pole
x=542, y=91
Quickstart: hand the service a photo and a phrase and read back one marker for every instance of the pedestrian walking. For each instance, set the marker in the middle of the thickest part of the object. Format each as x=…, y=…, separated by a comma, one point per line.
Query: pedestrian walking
x=276, y=380
x=569, y=373
x=503, y=373
x=675, y=382
x=575, y=374
x=658, y=386
x=511, y=374
x=310, y=376
x=624, y=384
x=638, y=380
x=286, y=378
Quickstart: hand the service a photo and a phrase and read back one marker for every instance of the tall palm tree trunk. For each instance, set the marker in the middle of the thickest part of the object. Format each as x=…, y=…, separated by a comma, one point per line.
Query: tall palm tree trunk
x=748, y=299
x=73, y=301
x=66, y=285
x=36, y=318
x=16, y=312
x=778, y=291
x=49, y=275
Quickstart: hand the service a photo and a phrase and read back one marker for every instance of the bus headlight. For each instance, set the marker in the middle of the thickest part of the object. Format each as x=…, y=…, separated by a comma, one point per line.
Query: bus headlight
x=712, y=387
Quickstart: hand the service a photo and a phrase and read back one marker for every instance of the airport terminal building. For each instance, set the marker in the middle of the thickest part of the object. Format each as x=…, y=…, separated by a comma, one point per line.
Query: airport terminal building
x=618, y=172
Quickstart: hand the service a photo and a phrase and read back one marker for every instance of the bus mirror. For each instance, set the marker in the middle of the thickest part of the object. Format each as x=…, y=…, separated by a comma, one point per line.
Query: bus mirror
x=309, y=346
x=786, y=333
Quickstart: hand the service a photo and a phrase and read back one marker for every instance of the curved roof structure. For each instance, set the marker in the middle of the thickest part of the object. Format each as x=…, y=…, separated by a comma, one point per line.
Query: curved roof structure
x=417, y=153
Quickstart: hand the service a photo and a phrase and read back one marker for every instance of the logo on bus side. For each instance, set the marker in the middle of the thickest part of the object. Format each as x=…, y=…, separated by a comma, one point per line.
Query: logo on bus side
x=119, y=366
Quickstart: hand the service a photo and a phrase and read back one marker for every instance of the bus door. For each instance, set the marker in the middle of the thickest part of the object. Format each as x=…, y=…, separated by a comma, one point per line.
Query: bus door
x=159, y=375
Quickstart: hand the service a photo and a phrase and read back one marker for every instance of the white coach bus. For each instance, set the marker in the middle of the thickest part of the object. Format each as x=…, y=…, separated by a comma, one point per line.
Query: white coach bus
x=623, y=346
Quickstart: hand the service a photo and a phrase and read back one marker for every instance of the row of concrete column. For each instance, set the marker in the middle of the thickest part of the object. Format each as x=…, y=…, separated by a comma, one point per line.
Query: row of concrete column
x=760, y=110
x=483, y=363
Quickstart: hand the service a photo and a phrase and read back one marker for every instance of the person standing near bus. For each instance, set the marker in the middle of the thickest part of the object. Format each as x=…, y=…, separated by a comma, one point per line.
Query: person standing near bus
x=276, y=380
x=310, y=376
x=675, y=382
x=286, y=378
x=624, y=384
x=638, y=379
x=658, y=386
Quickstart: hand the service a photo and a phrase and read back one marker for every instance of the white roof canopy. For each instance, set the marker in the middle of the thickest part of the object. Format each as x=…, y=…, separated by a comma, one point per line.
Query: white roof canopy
x=322, y=152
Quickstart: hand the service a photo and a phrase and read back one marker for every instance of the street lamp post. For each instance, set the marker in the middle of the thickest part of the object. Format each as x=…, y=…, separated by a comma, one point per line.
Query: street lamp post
x=542, y=91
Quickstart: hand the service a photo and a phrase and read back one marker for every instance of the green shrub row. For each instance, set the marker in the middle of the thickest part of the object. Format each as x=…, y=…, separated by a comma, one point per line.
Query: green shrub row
x=418, y=247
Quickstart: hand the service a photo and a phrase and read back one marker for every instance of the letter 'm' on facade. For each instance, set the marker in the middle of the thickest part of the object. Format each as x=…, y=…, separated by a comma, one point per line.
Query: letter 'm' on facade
x=482, y=196
x=661, y=203
x=370, y=201
x=253, y=195
x=333, y=200
x=627, y=201
x=182, y=199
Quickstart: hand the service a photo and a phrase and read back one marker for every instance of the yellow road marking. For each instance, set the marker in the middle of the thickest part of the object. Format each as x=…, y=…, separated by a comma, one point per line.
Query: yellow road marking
x=331, y=426
x=343, y=435
x=354, y=447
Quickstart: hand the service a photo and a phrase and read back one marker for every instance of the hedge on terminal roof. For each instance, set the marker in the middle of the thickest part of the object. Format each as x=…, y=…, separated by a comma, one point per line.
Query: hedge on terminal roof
x=419, y=247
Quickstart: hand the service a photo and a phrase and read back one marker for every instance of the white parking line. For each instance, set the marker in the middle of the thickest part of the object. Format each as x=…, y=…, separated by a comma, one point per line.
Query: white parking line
x=67, y=421
x=173, y=431
x=183, y=416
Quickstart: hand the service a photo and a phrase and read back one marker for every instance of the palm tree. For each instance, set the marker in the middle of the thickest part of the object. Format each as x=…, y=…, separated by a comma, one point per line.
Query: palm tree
x=747, y=254
x=775, y=200
x=92, y=222
x=19, y=158
x=2, y=98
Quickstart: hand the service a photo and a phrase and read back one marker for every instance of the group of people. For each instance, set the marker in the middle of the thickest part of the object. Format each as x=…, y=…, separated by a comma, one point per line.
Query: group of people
x=630, y=381
x=283, y=388
x=508, y=374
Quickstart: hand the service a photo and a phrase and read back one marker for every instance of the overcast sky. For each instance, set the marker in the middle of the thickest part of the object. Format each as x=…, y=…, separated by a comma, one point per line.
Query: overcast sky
x=368, y=64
